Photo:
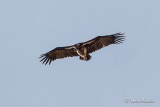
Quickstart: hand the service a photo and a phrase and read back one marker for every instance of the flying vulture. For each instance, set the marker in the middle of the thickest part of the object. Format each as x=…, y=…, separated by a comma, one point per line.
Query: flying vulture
x=82, y=49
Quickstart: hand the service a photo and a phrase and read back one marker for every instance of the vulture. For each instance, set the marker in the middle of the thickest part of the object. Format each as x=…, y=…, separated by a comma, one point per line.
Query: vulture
x=82, y=49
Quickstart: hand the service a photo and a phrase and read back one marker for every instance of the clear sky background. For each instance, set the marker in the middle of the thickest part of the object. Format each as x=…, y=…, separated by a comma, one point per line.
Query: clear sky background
x=29, y=28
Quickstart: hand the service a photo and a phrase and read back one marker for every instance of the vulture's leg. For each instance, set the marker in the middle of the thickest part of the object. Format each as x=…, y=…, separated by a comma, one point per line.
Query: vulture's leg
x=85, y=52
x=80, y=54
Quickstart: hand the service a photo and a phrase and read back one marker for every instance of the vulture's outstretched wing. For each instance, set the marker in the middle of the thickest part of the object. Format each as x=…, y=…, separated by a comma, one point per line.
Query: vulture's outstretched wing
x=59, y=52
x=101, y=41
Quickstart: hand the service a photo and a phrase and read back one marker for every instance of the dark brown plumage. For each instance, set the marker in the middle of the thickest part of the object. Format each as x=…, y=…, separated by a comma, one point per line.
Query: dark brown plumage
x=82, y=49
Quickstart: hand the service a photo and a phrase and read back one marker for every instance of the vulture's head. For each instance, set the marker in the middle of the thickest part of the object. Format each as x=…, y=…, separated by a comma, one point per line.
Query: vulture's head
x=78, y=45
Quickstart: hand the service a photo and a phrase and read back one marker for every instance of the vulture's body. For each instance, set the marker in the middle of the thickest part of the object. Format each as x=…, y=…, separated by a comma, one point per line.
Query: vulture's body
x=82, y=49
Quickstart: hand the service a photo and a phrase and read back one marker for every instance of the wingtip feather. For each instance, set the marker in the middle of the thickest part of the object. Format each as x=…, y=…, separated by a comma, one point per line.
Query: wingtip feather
x=118, y=39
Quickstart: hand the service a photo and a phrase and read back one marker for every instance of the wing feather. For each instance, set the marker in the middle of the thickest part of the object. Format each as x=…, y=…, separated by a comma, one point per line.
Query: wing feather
x=102, y=41
x=59, y=52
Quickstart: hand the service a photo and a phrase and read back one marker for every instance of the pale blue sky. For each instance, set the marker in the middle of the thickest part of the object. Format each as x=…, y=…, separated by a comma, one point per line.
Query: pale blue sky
x=29, y=28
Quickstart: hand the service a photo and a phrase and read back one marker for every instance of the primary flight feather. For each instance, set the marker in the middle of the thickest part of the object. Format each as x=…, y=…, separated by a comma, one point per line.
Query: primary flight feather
x=82, y=49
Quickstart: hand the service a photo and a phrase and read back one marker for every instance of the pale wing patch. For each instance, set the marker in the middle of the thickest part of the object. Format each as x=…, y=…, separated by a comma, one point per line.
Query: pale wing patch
x=72, y=47
x=88, y=42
